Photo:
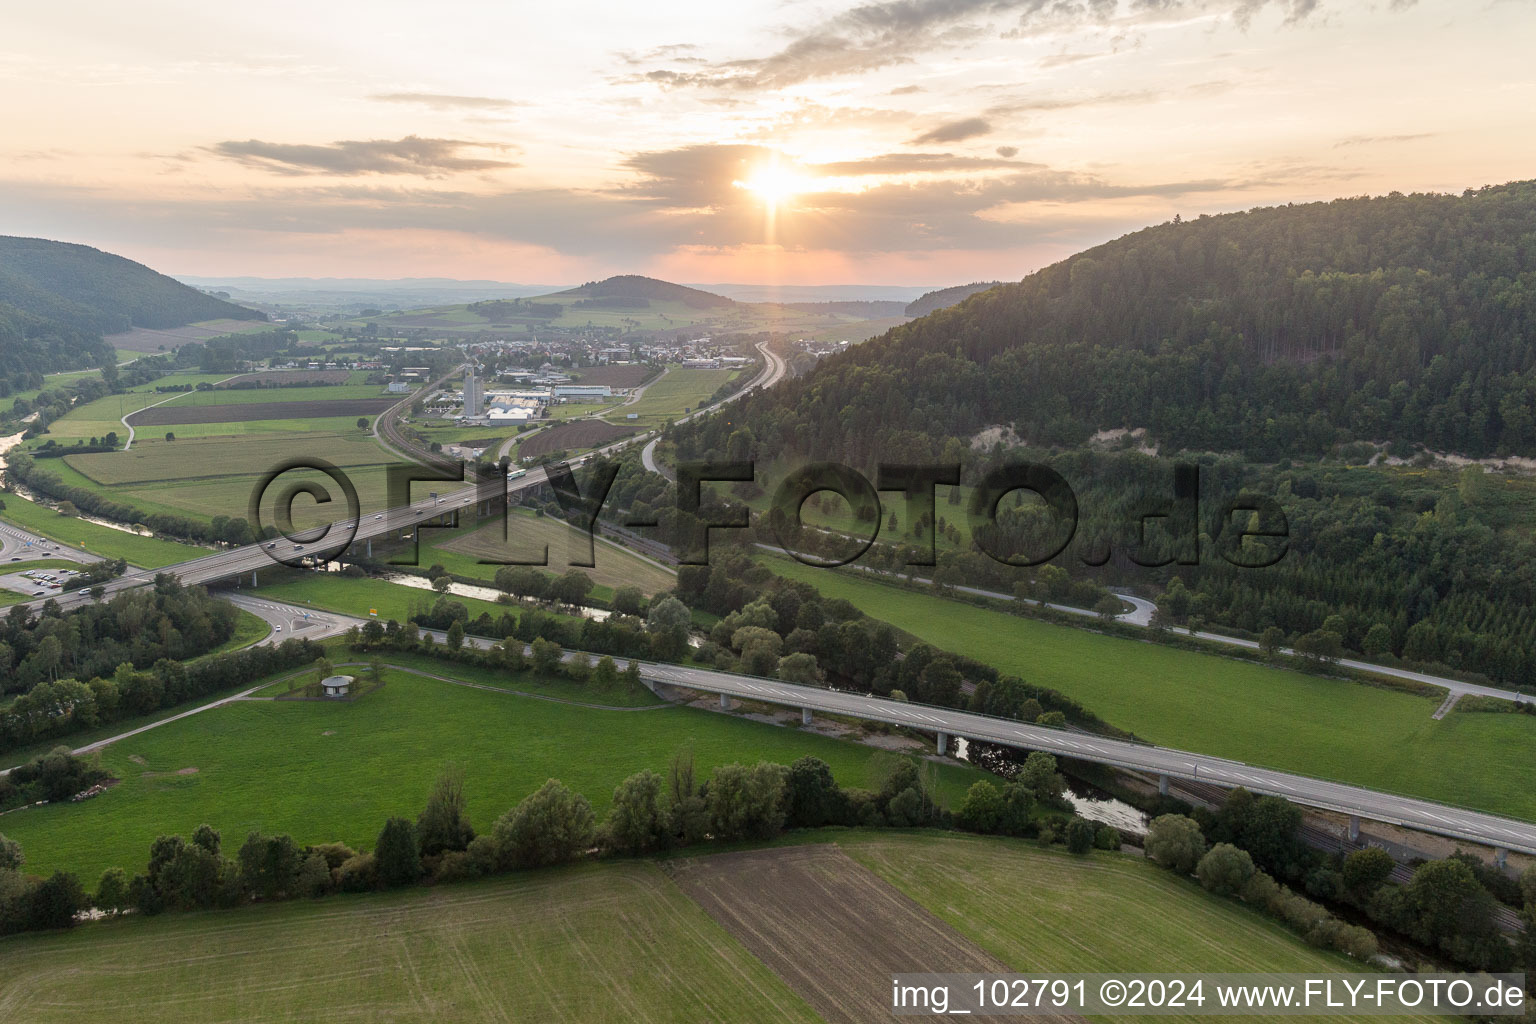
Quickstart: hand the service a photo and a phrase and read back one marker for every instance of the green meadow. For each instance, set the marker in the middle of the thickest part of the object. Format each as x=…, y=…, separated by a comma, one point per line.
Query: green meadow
x=1382, y=738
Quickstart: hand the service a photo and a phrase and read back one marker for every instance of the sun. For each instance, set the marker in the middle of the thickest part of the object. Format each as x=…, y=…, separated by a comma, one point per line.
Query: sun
x=775, y=185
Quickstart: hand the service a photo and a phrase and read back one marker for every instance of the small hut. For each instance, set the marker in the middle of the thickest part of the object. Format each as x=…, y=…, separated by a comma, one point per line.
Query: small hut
x=335, y=686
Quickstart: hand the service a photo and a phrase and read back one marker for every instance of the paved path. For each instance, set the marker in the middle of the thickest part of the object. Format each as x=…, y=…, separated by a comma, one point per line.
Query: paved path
x=162, y=401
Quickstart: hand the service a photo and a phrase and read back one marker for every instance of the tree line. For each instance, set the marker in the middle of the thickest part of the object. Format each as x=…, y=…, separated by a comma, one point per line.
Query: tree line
x=650, y=812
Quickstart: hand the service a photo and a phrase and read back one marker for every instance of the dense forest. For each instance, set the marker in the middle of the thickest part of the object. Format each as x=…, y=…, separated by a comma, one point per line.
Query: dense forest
x=1280, y=349
x=57, y=299
x=1279, y=332
x=943, y=298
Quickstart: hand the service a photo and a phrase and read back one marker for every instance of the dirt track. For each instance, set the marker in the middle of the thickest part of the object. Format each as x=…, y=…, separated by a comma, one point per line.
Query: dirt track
x=832, y=929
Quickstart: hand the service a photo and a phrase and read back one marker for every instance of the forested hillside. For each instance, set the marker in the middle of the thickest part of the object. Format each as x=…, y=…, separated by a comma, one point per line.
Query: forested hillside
x=1271, y=347
x=1282, y=331
x=91, y=290
x=57, y=299
x=943, y=298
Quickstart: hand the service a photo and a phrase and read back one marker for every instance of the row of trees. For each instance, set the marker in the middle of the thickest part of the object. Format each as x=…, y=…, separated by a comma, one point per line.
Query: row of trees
x=1251, y=848
x=57, y=708
x=650, y=812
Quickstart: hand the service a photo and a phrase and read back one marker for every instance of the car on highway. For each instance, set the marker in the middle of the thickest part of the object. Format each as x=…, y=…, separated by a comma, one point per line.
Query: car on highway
x=277, y=629
x=271, y=546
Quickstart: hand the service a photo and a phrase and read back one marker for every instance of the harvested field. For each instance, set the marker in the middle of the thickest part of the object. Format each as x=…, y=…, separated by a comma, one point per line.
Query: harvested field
x=145, y=339
x=199, y=458
x=573, y=437
x=240, y=411
x=832, y=929
x=610, y=943
x=629, y=376
x=282, y=377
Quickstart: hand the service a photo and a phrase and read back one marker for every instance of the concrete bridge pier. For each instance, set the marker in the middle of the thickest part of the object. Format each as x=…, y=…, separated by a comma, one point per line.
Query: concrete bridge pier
x=1162, y=785
x=1354, y=828
x=253, y=577
x=370, y=547
x=725, y=703
x=805, y=716
x=943, y=743
x=1500, y=857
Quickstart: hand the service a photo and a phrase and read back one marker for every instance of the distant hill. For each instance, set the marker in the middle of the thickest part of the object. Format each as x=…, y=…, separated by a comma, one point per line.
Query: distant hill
x=945, y=297
x=91, y=290
x=633, y=286
x=57, y=299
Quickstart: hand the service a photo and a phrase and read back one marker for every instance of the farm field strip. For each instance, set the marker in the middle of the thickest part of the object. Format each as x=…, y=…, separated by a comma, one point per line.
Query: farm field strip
x=611, y=942
x=152, y=461
x=236, y=412
x=1274, y=717
x=832, y=929
x=1050, y=912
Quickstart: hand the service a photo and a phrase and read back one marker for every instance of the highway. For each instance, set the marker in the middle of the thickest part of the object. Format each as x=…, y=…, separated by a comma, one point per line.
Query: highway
x=773, y=370
x=1440, y=819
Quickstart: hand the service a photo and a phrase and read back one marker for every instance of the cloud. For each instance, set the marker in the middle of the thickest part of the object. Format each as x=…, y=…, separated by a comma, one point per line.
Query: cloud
x=915, y=163
x=410, y=155
x=444, y=101
x=1372, y=140
x=887, y=33
x=954, y=131
x=1008, y=152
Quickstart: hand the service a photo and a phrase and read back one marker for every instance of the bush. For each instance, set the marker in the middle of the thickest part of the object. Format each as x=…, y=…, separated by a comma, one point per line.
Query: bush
x=358, y=873
x=1175, y=842
x=1365, y=871
x=1107, y=837
x=397, y=854
x=748, y=802
x=1080, y=835
x=551, y=826
x=1225, y=869
x=982, y=808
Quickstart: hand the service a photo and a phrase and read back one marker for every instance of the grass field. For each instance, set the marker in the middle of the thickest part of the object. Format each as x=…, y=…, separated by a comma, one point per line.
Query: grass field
x=1051, y=912
x=323, y=771
x=673, y=395
x=159, y=460
x=616, y=942
x=148, y=552
x=203, y=477
x=1384, y=739
x=529, y=535
x=356, y=595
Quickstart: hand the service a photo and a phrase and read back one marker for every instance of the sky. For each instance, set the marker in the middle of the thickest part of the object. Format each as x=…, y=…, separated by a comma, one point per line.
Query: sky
x=912, y=142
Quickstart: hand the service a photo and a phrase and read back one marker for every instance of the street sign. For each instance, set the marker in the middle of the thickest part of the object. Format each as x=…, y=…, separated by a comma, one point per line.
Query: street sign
x=374, y=612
